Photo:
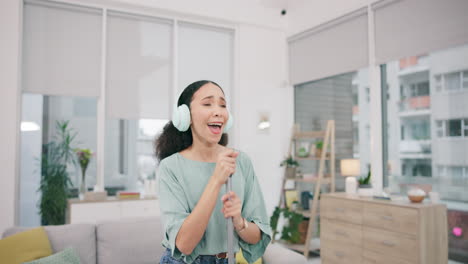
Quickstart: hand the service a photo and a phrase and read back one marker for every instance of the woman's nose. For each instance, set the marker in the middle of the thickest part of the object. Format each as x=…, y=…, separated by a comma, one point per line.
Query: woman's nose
x=218, y=111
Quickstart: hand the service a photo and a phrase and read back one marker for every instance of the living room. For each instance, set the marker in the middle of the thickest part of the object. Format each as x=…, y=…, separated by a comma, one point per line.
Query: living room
x=95, y=63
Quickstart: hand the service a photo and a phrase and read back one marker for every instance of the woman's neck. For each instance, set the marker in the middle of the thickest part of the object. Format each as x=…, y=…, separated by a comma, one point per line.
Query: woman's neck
x=203, y=152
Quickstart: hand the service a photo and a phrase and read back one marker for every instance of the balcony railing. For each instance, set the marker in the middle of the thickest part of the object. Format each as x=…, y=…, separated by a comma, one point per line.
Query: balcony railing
x=355, y=109
x=415, y=103
x=408, y=62
x=415, y=146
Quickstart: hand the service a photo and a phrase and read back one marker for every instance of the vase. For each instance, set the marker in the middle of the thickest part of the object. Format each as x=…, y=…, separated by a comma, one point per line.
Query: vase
x=290, y=172
x=82, y=185
x=351, y=185
x=318, y=153
x=303, y=227
x=365, y=190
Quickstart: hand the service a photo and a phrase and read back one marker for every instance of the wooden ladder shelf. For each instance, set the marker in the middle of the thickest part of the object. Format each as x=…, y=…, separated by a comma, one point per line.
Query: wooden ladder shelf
x=328, y=137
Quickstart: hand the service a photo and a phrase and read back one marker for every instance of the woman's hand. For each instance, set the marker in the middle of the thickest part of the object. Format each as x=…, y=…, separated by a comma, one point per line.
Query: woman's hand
x=225, y=165
x=232, y=207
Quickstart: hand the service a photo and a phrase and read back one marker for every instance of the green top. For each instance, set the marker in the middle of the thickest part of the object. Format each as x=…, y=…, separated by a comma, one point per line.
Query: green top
x=181, y=184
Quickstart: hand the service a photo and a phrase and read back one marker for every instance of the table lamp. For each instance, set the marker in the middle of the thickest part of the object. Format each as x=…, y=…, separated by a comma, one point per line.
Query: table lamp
x=350, y=168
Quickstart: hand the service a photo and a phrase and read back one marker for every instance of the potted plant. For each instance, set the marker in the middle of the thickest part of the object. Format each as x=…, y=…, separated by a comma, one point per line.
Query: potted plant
x=318, y=148
x=54, y=183
x=303, y=150
x=365, y=186
x=291, y=165
x=293, y=220
x=274, y=220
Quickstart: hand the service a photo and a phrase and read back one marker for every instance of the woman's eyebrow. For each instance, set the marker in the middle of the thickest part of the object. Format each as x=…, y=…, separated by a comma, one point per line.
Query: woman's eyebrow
x=211, y=97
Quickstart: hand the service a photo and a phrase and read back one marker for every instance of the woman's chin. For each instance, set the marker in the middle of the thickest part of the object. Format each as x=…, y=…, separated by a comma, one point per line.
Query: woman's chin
x=214, y=138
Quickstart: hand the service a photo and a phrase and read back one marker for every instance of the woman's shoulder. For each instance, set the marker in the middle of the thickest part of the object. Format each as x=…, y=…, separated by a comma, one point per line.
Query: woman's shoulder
x=168, y=161
x=244, y=159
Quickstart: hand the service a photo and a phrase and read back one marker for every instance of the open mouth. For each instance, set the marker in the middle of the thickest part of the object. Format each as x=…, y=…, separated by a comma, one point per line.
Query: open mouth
x=215, y=128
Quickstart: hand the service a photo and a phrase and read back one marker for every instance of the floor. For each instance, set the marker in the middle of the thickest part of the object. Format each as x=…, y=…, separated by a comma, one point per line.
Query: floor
x=316, y=260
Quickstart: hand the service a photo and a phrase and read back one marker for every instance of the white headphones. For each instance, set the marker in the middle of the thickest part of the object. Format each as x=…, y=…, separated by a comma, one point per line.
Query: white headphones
x=181, y=119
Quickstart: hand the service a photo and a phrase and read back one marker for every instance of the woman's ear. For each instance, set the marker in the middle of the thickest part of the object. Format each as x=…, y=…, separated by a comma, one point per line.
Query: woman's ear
x=229, y=123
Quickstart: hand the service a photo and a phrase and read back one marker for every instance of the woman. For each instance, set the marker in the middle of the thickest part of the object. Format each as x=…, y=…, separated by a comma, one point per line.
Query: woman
x=194, y=166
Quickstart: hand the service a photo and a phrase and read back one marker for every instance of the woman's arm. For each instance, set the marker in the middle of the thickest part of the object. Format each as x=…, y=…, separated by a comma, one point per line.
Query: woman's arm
x=250, y=233
x=194, y=226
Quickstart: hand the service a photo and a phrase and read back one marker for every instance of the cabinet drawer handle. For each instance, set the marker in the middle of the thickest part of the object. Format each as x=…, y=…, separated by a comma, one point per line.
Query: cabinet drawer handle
x=388, y=243
x=339, y=209
x=387, y=217
x=341, y=233
x=339, y=254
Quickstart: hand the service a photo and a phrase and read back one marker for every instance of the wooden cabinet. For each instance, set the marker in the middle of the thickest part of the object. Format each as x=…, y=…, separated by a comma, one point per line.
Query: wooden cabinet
x=364, y=230
x=110, y=209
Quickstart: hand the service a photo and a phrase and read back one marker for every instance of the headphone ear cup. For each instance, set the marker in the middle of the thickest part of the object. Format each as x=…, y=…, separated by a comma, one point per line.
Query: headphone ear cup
x=181, y=118
x=229, y=123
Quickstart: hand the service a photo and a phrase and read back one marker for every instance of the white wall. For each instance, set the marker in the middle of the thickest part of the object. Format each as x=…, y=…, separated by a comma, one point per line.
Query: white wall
x=9, y=111
x=240, y=11
x=260, y=80
x=306, y=14
x=262, y=88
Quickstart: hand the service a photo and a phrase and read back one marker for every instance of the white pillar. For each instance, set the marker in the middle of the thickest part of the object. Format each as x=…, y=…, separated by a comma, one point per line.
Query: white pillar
x=375, y=109
x=10, y=32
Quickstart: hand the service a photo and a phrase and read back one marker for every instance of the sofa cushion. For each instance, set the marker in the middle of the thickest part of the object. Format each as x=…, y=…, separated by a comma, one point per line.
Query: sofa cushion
x=82, y=237
x=25, y=246
x=279, y=254
x=68, y=256
x=241, y=260
x=136, y=241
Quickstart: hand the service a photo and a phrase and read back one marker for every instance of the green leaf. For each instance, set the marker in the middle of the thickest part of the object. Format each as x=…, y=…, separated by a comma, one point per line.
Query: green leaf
x=290, y=231
x=289, y=162
x=55, y=181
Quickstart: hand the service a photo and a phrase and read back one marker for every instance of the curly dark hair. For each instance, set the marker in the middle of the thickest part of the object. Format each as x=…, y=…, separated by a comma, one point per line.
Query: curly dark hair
x=171, y=140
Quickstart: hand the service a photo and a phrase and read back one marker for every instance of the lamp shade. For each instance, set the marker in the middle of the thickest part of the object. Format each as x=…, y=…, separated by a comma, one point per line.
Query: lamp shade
x=350, y=167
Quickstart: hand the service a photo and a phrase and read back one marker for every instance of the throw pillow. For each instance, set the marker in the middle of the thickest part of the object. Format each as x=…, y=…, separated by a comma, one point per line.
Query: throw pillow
x=67, y=256
x=241, y=260
x=25, y=246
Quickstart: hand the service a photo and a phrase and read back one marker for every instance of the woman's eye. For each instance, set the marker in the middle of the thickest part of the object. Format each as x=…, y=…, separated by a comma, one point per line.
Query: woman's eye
x=206, y=104
x=224, y=106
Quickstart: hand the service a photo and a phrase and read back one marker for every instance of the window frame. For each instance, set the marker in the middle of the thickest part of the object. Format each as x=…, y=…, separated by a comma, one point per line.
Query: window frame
x=440, y=81
x=448, y=134
x=175, y=20
x=464, y=79
x=443, y=128
x=465, y=127
x=440, y=128
x=457, y=88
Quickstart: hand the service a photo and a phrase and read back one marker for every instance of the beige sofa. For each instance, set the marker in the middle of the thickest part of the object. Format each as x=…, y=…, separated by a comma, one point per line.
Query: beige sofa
x=135, y=241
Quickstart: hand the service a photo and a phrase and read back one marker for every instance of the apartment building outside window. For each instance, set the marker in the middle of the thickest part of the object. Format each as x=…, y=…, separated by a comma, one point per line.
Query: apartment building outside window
x=432, y=121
